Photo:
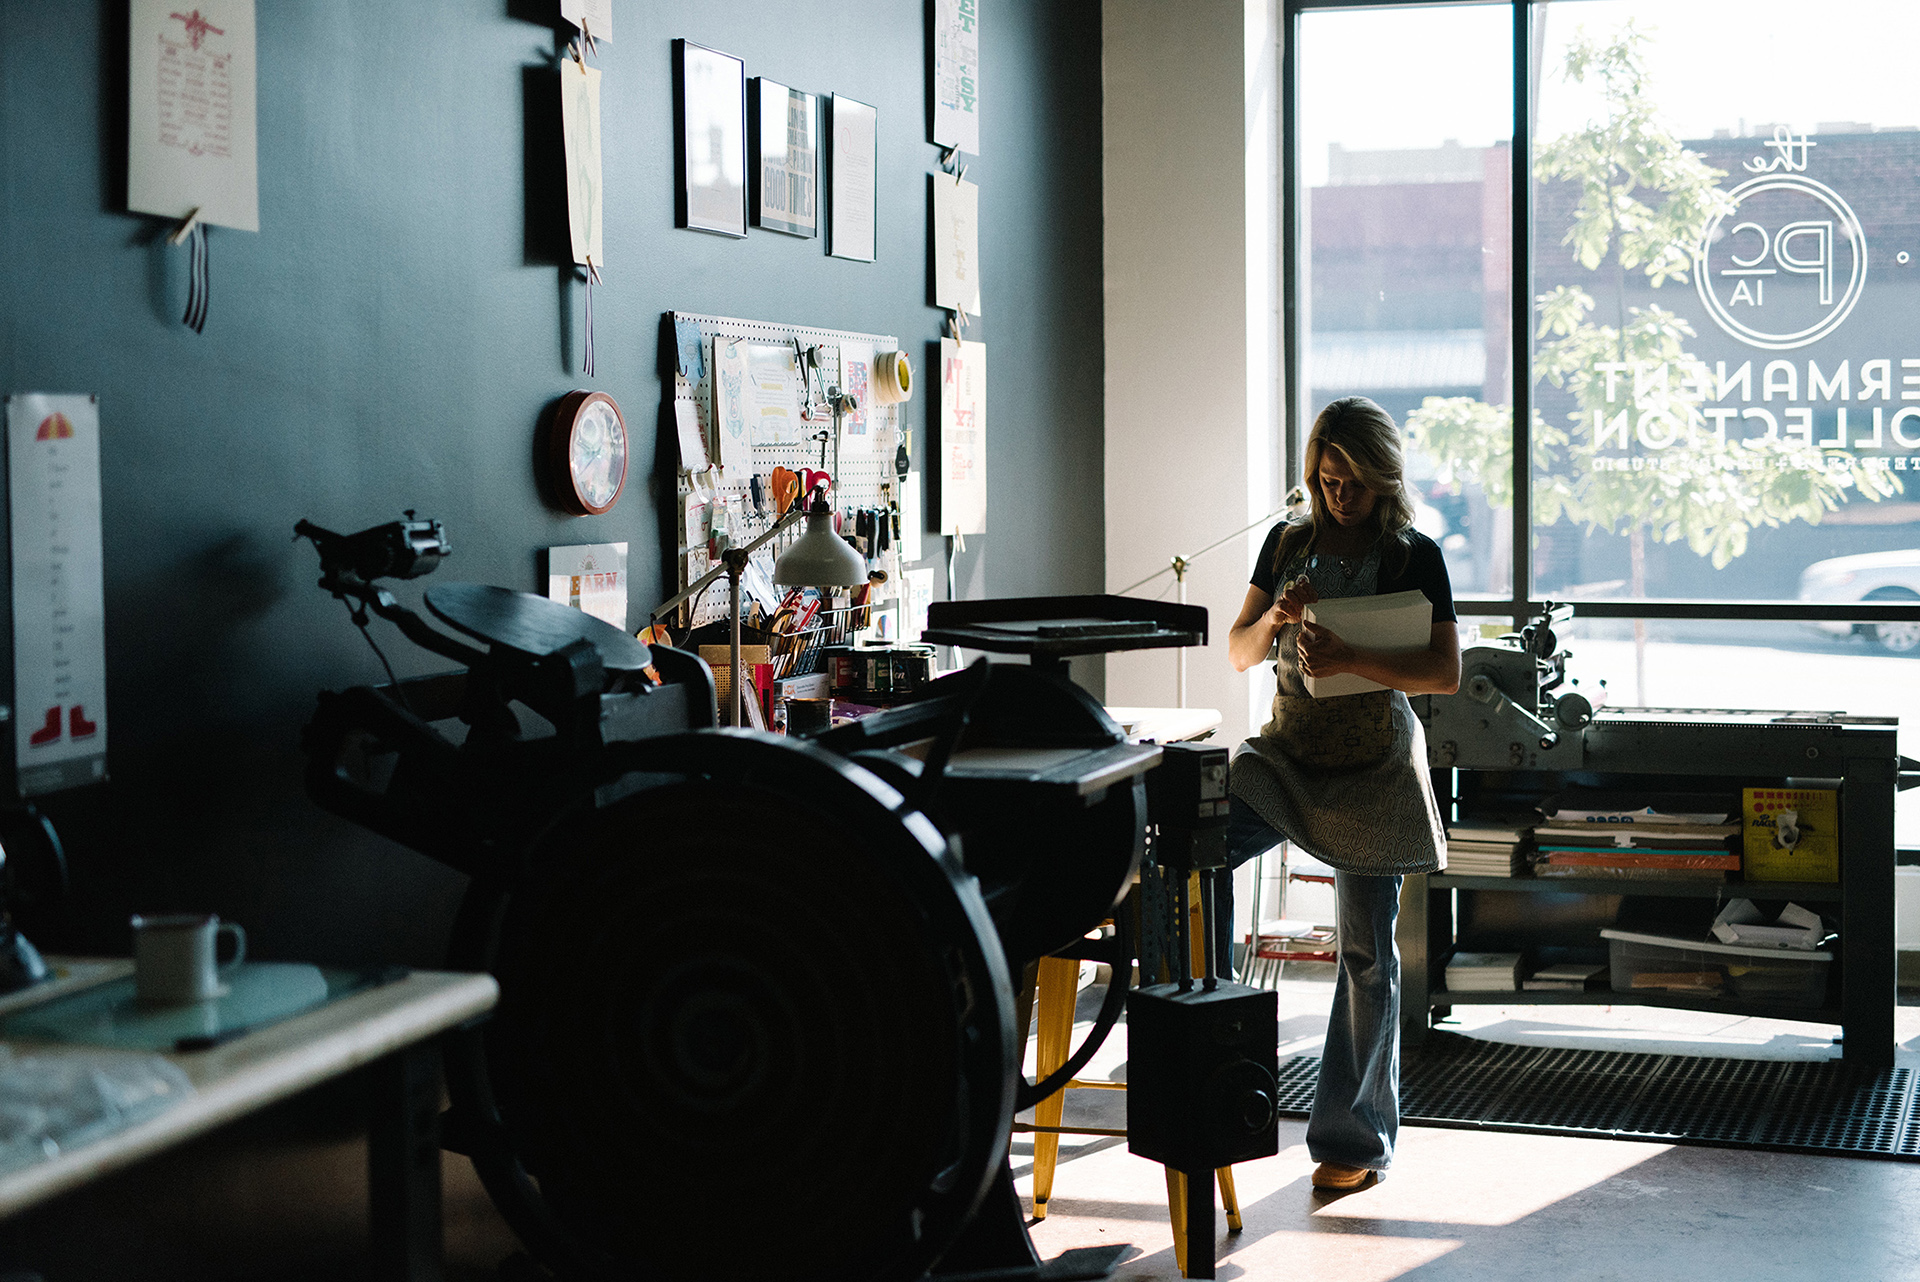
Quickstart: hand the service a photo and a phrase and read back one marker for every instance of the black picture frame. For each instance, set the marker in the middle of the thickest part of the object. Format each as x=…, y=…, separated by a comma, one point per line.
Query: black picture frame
x=709, y=140
x=783, y=148
x=853, y=158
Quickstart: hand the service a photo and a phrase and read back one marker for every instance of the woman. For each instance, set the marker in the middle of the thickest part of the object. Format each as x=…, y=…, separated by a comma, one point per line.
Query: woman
x=1345, y=779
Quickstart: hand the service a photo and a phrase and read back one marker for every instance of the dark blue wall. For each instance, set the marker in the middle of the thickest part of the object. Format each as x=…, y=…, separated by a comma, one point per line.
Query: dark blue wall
x=390, y=338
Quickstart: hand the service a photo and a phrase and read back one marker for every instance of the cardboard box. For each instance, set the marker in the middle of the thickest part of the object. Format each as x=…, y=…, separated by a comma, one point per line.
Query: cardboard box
x=1790, y=834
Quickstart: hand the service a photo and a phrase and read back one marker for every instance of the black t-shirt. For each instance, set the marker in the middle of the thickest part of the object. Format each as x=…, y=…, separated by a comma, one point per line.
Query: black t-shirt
x=1426, y=570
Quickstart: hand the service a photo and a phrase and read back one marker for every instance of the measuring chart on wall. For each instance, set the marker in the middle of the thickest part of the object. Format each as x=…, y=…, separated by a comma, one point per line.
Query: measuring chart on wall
x=59, y=611
x=758, y=393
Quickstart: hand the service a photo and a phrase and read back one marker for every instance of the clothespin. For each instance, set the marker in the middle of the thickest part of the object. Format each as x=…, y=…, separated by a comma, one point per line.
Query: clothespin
x=185, y=229
x=962, y=174
x=573, y=51
x=593, y=273
x=593, y=45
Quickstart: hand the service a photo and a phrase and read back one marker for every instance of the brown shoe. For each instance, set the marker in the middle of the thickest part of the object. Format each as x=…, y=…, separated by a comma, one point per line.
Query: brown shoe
x=1336, y=1178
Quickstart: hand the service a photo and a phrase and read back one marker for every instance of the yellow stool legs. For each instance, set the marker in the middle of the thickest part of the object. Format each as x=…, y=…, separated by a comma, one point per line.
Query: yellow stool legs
x=1055, y=988
x=1052, y=986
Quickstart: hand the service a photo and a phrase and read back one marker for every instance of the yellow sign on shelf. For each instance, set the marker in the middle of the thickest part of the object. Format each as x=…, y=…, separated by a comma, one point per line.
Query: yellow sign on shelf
x=1790, y=834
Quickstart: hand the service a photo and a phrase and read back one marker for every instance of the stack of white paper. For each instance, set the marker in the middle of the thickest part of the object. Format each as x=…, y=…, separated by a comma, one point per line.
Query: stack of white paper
x=1396, y=622
x=1566, y=977
x=1484, y=972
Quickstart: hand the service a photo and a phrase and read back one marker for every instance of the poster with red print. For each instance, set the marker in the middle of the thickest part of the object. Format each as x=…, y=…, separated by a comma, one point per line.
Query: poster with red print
x=59, y=612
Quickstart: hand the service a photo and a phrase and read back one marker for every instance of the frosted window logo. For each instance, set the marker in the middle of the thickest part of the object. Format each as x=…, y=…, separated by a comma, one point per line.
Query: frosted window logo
x=1785, y=266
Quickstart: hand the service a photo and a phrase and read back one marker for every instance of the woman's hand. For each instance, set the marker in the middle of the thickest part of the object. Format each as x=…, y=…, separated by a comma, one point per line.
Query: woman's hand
x=1322, y=651
x=1292, y=603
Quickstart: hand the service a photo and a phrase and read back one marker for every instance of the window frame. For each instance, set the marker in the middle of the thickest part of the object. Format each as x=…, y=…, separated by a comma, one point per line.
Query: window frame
x=1520, y=604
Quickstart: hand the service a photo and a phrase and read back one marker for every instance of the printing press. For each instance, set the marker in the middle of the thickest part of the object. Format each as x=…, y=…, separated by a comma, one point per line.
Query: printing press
x=753, y=984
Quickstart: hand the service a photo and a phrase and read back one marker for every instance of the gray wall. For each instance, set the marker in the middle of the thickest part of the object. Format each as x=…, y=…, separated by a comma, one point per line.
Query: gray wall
x=391, y=337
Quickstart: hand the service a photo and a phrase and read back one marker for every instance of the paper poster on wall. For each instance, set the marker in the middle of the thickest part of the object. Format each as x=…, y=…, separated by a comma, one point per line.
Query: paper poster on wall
x=590, y=577
x=956, y=245
x=693, y=443
x=963, y=437
x=773, y=395
x=731, y=423
x=856, y=378
x=850, y=194
x=919, y=596
x=694, y=526
x=956, y=74
x=580, y=122
x=913, y=517
x=59, y=609
x=594, y=17
x=190, y=112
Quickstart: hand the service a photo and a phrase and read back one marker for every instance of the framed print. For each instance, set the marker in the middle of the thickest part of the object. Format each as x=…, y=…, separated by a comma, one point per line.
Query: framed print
x=710, y=140
x=783, y=140
x=852, y=131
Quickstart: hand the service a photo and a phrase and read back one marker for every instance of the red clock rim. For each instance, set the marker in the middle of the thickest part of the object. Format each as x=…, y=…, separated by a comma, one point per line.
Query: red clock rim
x=566, y=419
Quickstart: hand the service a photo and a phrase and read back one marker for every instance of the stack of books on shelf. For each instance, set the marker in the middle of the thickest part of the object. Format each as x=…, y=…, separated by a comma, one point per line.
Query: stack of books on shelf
x=1636, y=838
x=1571, y=977
x=1477, y=849
x=1483, y=973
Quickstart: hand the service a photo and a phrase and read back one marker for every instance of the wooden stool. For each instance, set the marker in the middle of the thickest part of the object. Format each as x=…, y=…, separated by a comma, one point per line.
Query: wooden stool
x=1050, y=989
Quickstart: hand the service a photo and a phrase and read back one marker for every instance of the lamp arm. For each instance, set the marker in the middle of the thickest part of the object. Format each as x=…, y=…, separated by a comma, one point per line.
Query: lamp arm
x=1180, y=563
x=694, y=588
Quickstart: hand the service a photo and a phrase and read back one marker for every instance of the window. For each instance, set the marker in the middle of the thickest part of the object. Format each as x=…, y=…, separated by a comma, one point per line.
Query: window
x=1405, y=226
x=1719, y=258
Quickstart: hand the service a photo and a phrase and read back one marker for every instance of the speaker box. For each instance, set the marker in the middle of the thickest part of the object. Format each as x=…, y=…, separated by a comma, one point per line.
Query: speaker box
x=1202, y=1071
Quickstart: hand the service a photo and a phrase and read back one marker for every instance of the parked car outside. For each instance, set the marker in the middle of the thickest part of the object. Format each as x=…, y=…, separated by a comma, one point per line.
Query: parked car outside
x=1870, y=576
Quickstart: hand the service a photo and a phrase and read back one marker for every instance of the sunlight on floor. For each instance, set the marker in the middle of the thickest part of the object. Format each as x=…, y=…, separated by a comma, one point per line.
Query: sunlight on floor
x=1508, y=1182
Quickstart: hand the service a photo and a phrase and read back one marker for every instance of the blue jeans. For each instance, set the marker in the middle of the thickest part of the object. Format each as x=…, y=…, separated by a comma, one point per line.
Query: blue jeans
x=1356, y=1102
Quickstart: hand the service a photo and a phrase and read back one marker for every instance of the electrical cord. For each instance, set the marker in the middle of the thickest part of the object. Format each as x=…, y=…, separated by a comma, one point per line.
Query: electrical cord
x=359, y=617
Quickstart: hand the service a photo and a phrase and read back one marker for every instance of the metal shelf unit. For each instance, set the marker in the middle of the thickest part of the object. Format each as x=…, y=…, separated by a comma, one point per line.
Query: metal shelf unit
x=1691, y=748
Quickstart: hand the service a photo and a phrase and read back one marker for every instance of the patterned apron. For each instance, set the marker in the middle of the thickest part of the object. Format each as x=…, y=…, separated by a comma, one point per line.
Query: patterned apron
x=1345, y=778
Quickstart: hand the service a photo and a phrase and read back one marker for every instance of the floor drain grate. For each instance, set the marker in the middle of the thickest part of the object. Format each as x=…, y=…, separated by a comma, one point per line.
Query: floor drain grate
x=1798, y=1106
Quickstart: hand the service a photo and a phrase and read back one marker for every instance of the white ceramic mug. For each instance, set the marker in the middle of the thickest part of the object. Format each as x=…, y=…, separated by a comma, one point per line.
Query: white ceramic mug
x=174, y=957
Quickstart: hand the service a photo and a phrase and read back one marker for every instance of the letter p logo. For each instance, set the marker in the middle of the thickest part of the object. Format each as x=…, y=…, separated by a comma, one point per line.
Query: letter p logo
x=1820, y=265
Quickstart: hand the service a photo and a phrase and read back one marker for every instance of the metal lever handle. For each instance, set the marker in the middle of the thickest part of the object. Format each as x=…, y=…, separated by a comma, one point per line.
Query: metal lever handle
x=1480, y=687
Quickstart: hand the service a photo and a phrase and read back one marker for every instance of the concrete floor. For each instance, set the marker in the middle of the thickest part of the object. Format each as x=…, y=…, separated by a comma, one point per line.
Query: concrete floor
x=282, y=1195
x=1494, y=1206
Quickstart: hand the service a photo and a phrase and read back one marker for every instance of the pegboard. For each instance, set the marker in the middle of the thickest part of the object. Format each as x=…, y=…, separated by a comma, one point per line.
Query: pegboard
x=861, y=461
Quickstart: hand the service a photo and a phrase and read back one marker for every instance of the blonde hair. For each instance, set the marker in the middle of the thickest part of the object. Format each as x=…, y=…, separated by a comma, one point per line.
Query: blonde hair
x=1367, y=438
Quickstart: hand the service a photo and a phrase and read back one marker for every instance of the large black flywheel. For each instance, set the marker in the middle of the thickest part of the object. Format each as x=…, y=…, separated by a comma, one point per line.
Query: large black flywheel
x=754, y=1003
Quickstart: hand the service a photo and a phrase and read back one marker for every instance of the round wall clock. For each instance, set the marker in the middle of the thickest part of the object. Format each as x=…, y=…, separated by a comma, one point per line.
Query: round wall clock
x=587, y=452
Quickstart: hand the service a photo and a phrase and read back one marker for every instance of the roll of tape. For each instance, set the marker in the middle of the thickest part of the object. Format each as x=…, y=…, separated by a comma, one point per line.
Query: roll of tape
x=892, y=378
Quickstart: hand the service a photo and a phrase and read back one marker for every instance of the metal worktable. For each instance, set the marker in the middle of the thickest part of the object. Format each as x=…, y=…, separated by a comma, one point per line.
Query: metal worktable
x=1722, y=748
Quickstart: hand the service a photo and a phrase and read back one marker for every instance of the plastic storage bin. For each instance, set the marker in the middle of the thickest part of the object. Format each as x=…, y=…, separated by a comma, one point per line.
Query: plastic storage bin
x=1655, y=963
